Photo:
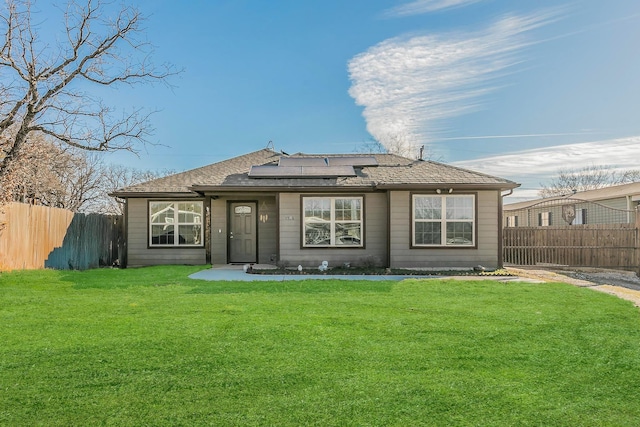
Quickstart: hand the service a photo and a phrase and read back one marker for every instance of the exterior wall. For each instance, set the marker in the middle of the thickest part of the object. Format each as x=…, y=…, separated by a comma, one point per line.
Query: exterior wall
x=611, y=211
x=486, y=253
x=267, y=231
x=219, y=231
x=377, y=247
x=375, y=234
x=138, y=251
x=617, y=203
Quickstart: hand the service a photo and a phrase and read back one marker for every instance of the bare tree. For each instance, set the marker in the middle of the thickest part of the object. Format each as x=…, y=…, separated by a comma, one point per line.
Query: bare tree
x=36, y=90
x=569, y=181
x=34, y=168
x=396, y=144
x=49, y=174
x=115, y=177
x=632, y=175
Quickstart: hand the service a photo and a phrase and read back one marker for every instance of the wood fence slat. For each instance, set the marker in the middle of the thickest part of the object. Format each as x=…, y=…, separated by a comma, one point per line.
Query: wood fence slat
x=589, y=245
x=35, y=237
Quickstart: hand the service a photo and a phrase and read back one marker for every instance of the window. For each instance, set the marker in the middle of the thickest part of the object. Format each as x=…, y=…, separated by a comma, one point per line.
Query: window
x=443, y=220
x=544, y=219
x=581, y=217
x=242, y=210
x=332, y=221
x=512, y=221
x=175, y=224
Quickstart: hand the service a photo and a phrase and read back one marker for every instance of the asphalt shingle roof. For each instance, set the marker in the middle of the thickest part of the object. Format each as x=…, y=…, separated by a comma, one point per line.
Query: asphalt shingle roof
x=392, y=171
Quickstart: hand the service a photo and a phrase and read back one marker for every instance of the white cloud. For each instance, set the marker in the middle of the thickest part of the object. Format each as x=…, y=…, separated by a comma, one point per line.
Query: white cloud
x=532, y=167
x=619, y=153
x=409, y=86
x=515, y=136
x=425, y=6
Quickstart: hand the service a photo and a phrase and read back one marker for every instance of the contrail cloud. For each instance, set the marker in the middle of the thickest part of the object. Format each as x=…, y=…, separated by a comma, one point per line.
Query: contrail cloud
x=409, y=86
x=530, y=135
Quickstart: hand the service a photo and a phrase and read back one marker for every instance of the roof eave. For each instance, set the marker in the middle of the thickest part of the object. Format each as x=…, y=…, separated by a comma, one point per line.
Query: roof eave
x=202, y=189
x=455, y=186
x=163, y=194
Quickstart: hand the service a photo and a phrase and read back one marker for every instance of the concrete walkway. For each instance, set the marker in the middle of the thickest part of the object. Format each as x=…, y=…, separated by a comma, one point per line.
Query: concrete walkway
x=236, y=273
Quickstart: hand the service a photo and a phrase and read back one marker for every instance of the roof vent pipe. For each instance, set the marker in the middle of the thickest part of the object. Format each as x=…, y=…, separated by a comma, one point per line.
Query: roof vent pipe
x=421, y=152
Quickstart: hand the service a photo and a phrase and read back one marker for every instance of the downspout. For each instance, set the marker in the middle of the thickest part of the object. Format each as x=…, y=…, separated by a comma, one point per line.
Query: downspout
x=500, y=237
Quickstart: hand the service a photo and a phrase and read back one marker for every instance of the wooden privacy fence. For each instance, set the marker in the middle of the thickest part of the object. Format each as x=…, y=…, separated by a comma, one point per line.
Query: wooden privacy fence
x=615, y=246
x=34, y=237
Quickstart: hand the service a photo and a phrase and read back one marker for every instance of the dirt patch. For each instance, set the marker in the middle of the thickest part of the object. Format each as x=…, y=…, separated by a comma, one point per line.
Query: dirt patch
x=623, y=284
x=625, y=279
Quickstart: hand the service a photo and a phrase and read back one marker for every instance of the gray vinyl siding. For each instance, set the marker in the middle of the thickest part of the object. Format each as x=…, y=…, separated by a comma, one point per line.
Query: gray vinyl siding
x=219, y=231
x=617, y=203
x=610, y=211
x=486, y=253
x=267, y=235
x=138, y=252
x=268, y=231
x=289, y=220
x=375, y=234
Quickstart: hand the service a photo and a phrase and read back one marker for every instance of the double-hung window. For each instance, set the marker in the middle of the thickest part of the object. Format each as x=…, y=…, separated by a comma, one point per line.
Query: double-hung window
x=443, y=220
x=332, y=221
x=581, y=217
x=544, y=219
x=175, y=224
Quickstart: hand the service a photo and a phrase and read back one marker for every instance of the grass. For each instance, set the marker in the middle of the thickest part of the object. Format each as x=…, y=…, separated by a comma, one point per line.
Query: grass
x=152, y=347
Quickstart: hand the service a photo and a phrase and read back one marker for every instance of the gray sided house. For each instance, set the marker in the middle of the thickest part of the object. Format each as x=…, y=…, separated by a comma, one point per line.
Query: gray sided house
x=609, y=205
x=268, y=207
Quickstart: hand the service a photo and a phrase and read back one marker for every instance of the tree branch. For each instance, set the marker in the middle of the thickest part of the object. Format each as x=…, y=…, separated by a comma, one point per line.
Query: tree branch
x=37, y=95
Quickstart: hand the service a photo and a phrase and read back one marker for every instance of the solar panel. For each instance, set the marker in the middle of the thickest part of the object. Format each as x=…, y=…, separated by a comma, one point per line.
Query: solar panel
x=301, y=171
x=312, y=167
x=329, y=171
x=303, y=161
x=264, y=171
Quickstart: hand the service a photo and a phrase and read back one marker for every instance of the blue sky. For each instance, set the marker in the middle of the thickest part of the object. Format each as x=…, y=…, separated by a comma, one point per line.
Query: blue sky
x=518, y=89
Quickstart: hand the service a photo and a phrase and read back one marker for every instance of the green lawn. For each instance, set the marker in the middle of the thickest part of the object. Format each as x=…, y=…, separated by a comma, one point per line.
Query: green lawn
x=151, y=347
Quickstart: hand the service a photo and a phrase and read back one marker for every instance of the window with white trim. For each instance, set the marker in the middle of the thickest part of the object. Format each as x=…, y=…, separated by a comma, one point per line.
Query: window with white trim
x=512, y=221
x=544, y=219
x=332, y=221
x=176, y=223
x=443, y=220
